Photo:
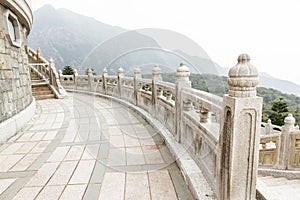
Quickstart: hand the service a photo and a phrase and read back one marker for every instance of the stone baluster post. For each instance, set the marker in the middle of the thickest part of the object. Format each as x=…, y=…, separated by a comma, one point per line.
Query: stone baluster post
x=38, y=54
x=182, y=81
x=156, y=76
x=239, y=136
x=284, y=150
x=90, y=79
x=137, y=75
x=75, y=78
x=60, y=75
x=269, y=127
x=51, y=71
x=104, y=83
x=204, y=115
x=120, y=84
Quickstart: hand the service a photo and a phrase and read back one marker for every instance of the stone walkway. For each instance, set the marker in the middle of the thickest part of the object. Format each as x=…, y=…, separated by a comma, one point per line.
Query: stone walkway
x=86, y=147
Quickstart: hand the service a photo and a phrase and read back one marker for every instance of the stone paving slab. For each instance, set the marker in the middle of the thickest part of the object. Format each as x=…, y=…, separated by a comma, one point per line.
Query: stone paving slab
x=88, y=148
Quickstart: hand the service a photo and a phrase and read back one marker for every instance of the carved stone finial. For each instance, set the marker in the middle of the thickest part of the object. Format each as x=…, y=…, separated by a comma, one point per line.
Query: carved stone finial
x=121, y=72
x=51, y=63
x=75, y=72
x=104, y=72
x=243, y=78
x=183, y=72
x=38, y=53
x=156, y=70
x=156, y=73
x=289, y=120
x=269, y=121
x=137, y=70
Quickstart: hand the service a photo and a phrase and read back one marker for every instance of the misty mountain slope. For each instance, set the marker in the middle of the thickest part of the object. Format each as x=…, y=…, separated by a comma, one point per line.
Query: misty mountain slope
x=285, y=86
x=67, y=36
x=83, y=42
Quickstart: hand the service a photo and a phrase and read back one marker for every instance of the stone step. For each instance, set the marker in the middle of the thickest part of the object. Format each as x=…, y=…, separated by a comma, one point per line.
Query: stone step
x=278, y=188
x=45, y=92
x=38, y=82
x=269, y=180
x=41, y=90
x=41, y=97
x=45, y=88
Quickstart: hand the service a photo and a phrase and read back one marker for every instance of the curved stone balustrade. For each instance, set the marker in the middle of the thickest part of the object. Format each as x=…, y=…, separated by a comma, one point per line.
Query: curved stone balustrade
x=280, y=146
x=213, y=130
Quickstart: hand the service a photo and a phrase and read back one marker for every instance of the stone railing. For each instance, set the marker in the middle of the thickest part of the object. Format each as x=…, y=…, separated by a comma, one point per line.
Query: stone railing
x=46, y=71
x=220, y=134
x=280, y=146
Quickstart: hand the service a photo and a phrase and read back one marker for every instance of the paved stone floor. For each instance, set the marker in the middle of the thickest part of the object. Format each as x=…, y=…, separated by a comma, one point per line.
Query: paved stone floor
x=86, y=147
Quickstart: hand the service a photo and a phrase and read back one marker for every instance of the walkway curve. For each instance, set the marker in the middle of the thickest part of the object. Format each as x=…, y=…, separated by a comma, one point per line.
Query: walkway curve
x=86, y=147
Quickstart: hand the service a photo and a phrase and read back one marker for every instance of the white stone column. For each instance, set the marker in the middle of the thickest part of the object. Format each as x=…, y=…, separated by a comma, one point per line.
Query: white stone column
x=239, y=136
x=120, y=84
x=156, y=76
x=137, y=75
x=60, y=75
x=75, y=78
x=182, y=81
x=285, y=145
x=269, y=127
x=51, y=69
x=90, y=79
x=104, y=83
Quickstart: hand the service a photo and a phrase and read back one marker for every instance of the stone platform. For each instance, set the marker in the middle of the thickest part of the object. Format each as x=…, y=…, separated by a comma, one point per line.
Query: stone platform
x=86, y=147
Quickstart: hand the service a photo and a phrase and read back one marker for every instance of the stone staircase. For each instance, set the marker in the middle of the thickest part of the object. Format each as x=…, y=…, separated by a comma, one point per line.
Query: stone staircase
x=40, y=88
x=278, y=188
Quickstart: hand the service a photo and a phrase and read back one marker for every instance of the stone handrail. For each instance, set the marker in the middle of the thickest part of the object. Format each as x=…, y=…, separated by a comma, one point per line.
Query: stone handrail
x=280, y=146
x=214, y=131
x=35, y=56
x=45, y=71
x=269, y=149
x=269, y=128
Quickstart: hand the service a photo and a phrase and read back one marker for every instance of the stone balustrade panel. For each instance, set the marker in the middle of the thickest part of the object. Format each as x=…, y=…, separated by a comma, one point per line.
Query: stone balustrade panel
x=294, y=160
x=127, y=93
x=144, y=94
x=165, y=104
x=269, y=149
x=111, y=84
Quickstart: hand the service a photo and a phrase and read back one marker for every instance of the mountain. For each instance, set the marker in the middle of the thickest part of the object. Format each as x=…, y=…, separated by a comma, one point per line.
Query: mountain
x=83, y=42
x=67, y=36
x=267, y=81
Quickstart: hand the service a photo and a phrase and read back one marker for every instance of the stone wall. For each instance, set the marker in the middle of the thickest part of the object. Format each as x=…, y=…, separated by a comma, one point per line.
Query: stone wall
x=15, y=87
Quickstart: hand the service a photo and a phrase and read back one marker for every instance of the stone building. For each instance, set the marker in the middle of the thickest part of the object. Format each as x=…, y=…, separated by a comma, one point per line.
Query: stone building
x=16, y=103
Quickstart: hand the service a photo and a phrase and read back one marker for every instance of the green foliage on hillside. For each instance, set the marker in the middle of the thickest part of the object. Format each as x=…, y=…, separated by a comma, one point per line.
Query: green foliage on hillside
x=218, y=85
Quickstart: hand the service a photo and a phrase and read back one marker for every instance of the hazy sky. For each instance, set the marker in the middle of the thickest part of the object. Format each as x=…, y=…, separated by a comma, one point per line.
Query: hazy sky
x=268, y=30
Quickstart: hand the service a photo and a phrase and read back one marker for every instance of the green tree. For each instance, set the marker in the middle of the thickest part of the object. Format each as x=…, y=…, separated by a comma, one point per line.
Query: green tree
x=279, y=111
x=86, y=71
x=68, y=70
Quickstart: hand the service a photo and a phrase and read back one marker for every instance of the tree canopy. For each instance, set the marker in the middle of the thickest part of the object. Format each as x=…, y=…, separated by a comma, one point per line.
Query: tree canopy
x=68, y=70
x=279, y=111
